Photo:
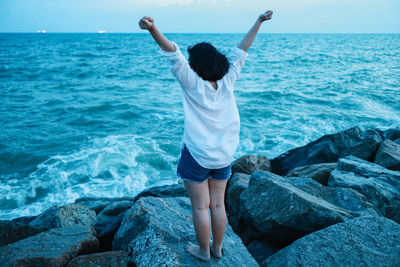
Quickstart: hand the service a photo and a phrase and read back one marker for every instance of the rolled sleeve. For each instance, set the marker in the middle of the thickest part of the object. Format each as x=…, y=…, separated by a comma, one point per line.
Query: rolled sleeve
x=180, y=67
x=236, y=61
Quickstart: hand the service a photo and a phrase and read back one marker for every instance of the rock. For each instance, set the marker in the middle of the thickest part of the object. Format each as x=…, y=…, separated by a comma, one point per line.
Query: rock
x=285, y=209
x=347, y=198
x=249, y=163
x=24, y=219
x=61, y=216
x=97, y=204
x=318, y=172
x=329, y=148
x=392, y=133
x=238, y=183
x=109, y=259
x=379, y=185
x=51, y=248
x=156, y=230
x=108, y=222
x=363, y=241
x=173, y=190
x=261, y=250
x=388, y=155
x=12, y=231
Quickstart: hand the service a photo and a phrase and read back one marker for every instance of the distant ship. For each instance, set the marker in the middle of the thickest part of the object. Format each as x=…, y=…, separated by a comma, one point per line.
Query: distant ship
x=101, y=31
x=41, y=31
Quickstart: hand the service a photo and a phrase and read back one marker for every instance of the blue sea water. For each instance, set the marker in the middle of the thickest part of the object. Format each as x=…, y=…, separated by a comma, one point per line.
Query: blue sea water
x=101, y=114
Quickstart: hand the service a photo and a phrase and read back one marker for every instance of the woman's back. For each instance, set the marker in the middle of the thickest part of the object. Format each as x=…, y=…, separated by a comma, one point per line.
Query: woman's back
x=212, y=123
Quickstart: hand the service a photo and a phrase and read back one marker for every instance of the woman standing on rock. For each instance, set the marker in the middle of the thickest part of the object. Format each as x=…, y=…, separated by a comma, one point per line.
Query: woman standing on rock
x=211, y=131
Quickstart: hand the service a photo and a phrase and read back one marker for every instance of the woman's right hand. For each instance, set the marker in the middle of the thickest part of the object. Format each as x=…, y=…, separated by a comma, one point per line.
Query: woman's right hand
x=265, y=16
x=146, y=23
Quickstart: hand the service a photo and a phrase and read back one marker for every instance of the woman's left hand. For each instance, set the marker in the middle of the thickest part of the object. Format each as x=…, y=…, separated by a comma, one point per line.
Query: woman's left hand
x=265, y=16
x=146, y=23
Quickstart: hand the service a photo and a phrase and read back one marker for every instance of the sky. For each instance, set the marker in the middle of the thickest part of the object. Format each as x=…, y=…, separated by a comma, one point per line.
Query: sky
x=201, y=16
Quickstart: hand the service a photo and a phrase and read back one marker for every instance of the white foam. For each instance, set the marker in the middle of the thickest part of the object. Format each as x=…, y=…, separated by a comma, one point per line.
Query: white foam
x=104, y=167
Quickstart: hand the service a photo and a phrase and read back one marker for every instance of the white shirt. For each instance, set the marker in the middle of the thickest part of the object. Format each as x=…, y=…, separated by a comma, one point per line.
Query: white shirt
x=212, y=123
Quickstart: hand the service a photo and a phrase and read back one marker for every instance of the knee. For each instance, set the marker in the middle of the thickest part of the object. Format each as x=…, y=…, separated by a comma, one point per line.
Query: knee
x=217, y=205
x=202, y=207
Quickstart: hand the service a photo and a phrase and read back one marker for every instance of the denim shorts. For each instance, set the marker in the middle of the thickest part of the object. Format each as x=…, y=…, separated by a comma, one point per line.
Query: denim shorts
x=189, y=170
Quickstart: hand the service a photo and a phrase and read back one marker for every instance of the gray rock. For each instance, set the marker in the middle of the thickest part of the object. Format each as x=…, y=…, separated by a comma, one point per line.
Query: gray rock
x=106, y=259
x=12, y=231
x=97, y=204
x=318, y=172
x=62, y=216
x=116, y=208
x=397, y=141
x=392, y=133
x=388, y=155
x=108, y=222
x=250, y=163
x=379, y=185
x=261, y=250
x=156, y=230
x=363, y=241
x=173, y=190
x=237, y=184
x=286, y=209
x=24, y=219
x=51, y=248
x=329, y=148
x=347, y=198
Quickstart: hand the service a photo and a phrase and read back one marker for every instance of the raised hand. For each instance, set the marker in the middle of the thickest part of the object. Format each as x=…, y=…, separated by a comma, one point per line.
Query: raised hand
x=265, y=16
x=146, y=23
x=251, y=34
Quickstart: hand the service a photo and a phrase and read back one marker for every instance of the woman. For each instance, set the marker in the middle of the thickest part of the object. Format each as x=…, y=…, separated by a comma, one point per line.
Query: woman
x=211, y=131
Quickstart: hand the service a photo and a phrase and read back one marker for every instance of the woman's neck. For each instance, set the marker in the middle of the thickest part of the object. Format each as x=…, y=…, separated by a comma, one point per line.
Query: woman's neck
x=214, y=84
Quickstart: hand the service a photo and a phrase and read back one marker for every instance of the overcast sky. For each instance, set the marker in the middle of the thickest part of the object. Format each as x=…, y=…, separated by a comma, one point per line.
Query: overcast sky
x=290, y=16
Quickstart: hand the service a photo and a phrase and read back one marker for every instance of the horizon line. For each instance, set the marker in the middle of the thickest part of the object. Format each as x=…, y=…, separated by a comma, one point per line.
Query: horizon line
x=95, y=32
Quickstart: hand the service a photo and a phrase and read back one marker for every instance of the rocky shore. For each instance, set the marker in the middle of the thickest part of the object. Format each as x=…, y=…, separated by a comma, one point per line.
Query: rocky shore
x=332, y=202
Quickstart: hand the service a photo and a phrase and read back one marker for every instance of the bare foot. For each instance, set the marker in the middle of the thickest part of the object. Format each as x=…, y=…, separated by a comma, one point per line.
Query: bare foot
x=215, y=252
x=195, y=251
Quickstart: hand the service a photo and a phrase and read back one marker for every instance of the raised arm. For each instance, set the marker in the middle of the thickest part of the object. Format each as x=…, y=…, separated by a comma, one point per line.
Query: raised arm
x=147, y=23
x=249, y=37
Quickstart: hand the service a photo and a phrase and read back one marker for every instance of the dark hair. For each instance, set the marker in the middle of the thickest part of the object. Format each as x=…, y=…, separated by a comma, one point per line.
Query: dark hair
x=207, y=61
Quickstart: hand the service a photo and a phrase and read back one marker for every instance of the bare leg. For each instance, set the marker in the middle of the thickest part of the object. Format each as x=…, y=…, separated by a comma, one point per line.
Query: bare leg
x=200, y=199
x=218, y=214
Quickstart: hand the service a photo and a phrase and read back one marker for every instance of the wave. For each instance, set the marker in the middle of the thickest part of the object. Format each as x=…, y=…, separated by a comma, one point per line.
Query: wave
x=117, y=165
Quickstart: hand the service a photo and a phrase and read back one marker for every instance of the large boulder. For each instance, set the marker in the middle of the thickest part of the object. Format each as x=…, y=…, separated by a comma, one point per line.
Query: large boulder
x=12, y=231
x=238, y=183
x=318, y=172
x=388, y=155
x=156, y=230
x=363, y=241
x=97, y=204
x=24, y=219
x=109, y=259
x=173, y=190
x=62, y=216
x=392, y=133
x=51, y=248
x=261, y=250
x=250, y=163
x=329, y=148
x=108, y=222
x=347, y=198
x=287, y=208
x=379, y=185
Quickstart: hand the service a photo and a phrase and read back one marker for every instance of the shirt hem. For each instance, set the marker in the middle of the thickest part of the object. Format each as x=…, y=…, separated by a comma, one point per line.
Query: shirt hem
x=225, y=164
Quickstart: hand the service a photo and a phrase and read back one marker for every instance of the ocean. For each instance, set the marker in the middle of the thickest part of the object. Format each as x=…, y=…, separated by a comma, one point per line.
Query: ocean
x=100, y=115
